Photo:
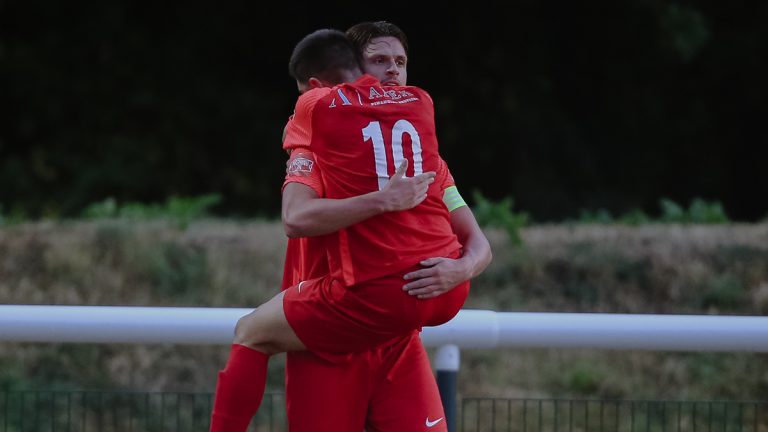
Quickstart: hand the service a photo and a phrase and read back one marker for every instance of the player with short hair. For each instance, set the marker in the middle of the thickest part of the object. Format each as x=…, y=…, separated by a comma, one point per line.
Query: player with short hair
x=373, y=390
x=360, y=280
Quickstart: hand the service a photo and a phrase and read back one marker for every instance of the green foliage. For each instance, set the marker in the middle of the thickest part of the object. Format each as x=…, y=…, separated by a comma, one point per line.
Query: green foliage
x=101, y=210
x=15, y=217
x=634, y=217
x=601, y=216
x=499, y=214
x=578, y=378
x=46, y=369
x=671, y=212
x=699, y=212
x=179, y=271
x=725, y=292
x=12, y=376
x=181, y=209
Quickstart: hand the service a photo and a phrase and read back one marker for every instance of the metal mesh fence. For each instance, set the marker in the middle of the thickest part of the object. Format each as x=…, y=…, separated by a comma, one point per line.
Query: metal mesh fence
x=111, y=411
x=568, y=415
x=103, y=411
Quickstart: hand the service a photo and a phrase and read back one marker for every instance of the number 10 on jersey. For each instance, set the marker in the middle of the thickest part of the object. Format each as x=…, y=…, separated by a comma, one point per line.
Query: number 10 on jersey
x=373, y=133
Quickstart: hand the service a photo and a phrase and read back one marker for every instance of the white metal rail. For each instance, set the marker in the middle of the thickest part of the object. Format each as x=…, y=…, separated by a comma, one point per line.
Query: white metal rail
x=469, y=329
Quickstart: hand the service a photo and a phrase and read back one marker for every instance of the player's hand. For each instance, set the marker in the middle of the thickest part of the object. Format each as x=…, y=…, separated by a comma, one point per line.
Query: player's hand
x=438, y=276
x=403, y=193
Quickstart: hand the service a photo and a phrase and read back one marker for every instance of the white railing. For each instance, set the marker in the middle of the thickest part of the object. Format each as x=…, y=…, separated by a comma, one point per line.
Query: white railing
x=469, y=329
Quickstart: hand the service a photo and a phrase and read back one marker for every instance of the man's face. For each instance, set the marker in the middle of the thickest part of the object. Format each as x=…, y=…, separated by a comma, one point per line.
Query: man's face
x=384, y=58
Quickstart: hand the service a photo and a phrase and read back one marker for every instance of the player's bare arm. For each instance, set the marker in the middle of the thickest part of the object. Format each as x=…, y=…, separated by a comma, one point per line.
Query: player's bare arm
x=304, y=214
x=440, y=274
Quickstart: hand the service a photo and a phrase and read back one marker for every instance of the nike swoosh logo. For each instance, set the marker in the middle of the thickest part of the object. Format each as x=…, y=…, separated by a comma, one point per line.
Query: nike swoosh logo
x=432, y=423
x=300, y=283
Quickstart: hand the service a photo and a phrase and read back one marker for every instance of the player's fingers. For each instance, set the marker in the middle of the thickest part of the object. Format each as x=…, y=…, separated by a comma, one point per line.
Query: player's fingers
x=428, y=177
x=429, y=262
x=400, y=171
x=419, y=274
x=418, y=279
x=427, y=289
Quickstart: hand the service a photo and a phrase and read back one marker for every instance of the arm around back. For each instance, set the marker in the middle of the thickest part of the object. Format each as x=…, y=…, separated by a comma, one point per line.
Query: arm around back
x=441, y=274
x=305, y=214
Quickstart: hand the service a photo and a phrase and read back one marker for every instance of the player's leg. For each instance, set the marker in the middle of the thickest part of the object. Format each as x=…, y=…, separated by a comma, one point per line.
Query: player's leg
x=266, y=329
x=326, y=396
x=329, y=317
x=240, y=385
x=406, y=397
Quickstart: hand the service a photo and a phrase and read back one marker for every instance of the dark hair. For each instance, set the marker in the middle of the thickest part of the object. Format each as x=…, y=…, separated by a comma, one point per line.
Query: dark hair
x=362, y=33
x=323, y=54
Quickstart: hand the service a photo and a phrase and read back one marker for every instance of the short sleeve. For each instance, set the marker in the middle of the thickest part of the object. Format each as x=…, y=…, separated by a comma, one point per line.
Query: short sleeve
x=298, y=131
x=301, y=168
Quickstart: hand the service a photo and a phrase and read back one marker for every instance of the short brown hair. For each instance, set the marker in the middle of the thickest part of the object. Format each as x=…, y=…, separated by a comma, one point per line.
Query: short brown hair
x=362, y=33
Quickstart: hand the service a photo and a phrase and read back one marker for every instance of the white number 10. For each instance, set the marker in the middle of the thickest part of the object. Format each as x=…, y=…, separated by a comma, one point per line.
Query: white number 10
x=373, y=132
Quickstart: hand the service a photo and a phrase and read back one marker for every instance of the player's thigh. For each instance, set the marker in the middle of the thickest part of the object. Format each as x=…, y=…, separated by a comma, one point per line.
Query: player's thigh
x=266, y=328
x=326, y=397
x=408, y=400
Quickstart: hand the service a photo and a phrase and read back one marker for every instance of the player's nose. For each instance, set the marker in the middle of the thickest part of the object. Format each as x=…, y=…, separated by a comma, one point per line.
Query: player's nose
x=392, y=68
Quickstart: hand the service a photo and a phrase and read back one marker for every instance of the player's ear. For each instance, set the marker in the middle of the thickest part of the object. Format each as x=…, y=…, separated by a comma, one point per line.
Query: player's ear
x=315, y=83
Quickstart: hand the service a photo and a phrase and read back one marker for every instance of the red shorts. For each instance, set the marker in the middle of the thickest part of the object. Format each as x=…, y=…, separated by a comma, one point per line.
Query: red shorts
x=390, y=388
x=329, y=317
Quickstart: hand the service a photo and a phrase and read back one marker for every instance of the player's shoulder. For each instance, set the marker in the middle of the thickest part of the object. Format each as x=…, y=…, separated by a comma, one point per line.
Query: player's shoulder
x=419, y=91
x=310, y=98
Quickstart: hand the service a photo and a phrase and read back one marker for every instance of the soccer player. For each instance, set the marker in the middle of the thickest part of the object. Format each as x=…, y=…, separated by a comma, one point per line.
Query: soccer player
x=364, y=389
x=358, y=308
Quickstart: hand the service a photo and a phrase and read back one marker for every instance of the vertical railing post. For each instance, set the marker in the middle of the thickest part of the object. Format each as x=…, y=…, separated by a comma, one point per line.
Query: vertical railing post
x=447, y=363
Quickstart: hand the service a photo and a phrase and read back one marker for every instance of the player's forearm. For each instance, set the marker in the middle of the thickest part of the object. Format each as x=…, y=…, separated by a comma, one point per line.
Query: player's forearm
x=476, y=255
x=476, y=249
x=318, y=216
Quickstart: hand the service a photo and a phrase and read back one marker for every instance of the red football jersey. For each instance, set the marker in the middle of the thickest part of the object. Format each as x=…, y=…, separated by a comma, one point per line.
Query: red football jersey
x=359, y=133
x=305, y=257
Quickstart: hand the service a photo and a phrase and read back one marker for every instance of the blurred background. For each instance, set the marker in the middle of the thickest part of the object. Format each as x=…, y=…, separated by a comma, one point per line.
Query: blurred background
x=568, y=108
x=614, y=152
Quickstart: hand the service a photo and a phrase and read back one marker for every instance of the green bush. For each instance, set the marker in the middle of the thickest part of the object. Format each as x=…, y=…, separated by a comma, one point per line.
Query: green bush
x=634, y=217
x=725, y=292
x=181, y=209
x=179, y=271
x=500, y=215
x=13, y=218
x=699, y=212
x=601, y=216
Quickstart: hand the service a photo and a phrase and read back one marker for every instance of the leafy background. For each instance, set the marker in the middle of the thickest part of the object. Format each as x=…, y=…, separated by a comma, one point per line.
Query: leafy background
x=603, y=105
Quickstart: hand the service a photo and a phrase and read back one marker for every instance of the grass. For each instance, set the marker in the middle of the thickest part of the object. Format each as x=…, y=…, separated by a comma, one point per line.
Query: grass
x=664, y=268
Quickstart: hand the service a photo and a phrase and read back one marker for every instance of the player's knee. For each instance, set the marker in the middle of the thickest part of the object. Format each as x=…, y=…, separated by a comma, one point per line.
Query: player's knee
x=248, y=331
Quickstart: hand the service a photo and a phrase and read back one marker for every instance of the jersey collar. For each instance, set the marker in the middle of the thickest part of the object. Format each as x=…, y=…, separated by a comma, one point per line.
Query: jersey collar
x=366, y=79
